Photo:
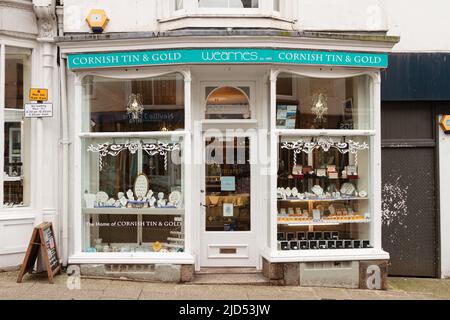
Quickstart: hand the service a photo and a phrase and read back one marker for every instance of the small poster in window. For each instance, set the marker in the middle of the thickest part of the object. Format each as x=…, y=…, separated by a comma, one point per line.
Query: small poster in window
x=228, y=183
x=347, y=114
x=228, y=209
x=286, y=116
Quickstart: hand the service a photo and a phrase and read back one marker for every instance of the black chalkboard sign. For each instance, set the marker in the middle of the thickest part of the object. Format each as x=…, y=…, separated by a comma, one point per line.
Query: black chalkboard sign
x=42, y=241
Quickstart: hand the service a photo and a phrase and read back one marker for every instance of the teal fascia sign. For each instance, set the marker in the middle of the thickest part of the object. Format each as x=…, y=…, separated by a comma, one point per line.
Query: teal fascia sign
x=226, y=56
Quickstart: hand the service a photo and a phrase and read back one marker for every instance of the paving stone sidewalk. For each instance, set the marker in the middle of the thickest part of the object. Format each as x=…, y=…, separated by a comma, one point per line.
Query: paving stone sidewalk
x=36, y=287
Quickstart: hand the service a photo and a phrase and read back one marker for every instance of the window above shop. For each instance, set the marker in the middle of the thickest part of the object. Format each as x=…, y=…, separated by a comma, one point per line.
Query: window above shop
x=228, y=3
x=185, y=14
x=220, y=7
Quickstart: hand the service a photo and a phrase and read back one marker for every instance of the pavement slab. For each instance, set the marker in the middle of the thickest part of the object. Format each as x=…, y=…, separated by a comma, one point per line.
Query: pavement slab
x=36, y=287
x=438, y=287
x=332, y=293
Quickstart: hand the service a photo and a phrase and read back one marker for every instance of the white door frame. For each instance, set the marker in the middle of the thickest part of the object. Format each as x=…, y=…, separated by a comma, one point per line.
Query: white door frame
x=244, y=242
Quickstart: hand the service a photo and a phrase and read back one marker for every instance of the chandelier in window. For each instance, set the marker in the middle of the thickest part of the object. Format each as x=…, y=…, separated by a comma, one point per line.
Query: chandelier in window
x=320, y=107
x=135, y=108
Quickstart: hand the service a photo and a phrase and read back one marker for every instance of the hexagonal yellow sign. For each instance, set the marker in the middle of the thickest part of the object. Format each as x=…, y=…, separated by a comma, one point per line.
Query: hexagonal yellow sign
x=97, y=20
x=445, y=123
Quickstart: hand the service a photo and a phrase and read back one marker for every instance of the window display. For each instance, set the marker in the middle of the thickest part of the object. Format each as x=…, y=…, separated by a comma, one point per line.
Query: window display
x=132, y=188
x=323, y=189
x=132, y=195
x=328, y=202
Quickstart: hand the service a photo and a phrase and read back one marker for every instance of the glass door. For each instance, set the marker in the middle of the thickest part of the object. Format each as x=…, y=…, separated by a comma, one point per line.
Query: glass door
x=227, y=184
x=228, y=235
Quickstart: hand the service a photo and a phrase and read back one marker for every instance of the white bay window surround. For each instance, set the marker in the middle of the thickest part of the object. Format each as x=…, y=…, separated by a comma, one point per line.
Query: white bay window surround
x=132, y=128
x=274, y=14
x=327, y=165
x=226, y=8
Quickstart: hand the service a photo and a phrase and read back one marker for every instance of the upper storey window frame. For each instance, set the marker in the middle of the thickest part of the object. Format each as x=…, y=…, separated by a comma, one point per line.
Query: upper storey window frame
x=194, y=7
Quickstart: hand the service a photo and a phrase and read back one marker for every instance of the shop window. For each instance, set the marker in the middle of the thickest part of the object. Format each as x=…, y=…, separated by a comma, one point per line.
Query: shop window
x=116, y=105
x=324, y=188
x=227, y=103
x=16, y=131
x=313, y=103
x=228, y=3
x=133, y=185
x=323, y=193
x=133, y=195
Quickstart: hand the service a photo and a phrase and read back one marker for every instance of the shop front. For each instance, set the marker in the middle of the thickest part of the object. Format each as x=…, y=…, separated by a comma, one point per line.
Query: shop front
x=267, y=158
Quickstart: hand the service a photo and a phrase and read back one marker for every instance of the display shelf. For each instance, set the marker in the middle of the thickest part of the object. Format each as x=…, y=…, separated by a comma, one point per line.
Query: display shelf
x=12, y=179
x=322, y=222
x=144, y=211
x=306, y=177
x=323, y=199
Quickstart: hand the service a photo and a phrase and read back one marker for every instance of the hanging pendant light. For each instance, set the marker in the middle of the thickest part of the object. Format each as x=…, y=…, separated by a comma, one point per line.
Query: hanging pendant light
x=320, y=107
x=135, y=108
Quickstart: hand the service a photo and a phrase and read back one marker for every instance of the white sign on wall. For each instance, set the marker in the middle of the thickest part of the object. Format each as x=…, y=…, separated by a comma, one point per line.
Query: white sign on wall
x=38, y=110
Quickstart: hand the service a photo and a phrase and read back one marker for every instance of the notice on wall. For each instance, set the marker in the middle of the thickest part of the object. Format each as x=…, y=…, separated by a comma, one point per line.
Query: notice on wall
x=38, y=110
x=227, y=183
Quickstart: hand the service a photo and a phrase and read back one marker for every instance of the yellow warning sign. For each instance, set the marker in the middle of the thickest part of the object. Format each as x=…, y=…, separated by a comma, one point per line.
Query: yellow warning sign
x=38, y=94
x=445, y=123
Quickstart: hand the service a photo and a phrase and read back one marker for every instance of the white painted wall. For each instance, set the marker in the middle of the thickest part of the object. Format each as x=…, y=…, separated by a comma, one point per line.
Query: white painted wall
x=422, y=25
x=19, y=28
x=143, y=15
x=342, y=15
x=125, y=16
x=444, y=177
x=17, y=19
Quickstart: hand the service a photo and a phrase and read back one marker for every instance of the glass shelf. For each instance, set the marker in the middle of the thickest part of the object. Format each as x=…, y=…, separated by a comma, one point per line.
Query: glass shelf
x=323, y=199
x=144, y=211
x=321, y=222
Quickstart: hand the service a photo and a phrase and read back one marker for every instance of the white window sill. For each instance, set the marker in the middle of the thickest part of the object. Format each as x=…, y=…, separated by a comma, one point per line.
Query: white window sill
x=21, y=213
x=213, y=15
x=132, y=257
x=325, y=255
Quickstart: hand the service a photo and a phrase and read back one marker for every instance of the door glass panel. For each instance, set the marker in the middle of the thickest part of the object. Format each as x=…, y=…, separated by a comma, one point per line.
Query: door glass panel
x=227, y=172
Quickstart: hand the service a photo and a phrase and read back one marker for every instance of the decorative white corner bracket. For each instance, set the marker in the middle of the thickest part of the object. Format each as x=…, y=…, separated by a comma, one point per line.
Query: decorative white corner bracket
x=114, y=149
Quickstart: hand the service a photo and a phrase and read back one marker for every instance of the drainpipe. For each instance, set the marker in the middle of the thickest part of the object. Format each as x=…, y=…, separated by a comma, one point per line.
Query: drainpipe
x=65, y=164
x=65, y=142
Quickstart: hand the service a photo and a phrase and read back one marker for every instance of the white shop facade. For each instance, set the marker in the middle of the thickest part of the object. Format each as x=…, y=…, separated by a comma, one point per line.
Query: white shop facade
x=245, y=154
